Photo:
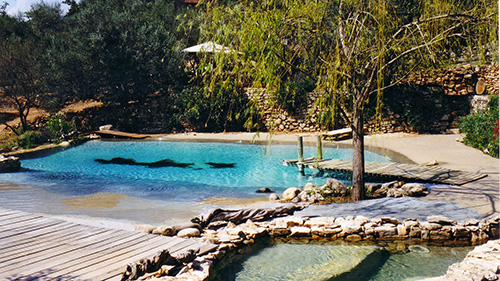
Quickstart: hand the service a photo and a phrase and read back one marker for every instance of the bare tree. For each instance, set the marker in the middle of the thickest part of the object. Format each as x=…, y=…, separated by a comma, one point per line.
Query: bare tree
x=18, y=80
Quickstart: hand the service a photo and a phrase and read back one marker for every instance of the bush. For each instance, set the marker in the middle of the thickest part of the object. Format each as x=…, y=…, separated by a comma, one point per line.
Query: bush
x=292, y=95
x=224, y=109
x=481, y=129
x=30, y=139
x=59, y=128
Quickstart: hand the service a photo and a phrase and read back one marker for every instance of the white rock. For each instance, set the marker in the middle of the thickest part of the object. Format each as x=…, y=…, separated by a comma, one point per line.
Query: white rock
x=300, y=231
x=189, y=232
x=308, y=186
x=146, y=228
x=274, y=197
x=105, y=127
x=290, y=193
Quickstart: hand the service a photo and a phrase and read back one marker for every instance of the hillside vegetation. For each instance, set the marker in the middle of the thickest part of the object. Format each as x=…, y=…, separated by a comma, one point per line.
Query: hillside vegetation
x=128, y=55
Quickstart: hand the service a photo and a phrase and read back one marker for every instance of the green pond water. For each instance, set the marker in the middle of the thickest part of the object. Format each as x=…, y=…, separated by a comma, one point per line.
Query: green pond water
x=342, y=263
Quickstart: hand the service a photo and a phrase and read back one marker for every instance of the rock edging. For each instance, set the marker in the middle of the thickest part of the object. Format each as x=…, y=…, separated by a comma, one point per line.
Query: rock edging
x=335, y=191
x=482, y=263
x=232, y=238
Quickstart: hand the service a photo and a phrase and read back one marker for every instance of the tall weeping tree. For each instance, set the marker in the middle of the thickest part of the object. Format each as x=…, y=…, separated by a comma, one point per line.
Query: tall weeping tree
x=352, y=49
x=378, y=42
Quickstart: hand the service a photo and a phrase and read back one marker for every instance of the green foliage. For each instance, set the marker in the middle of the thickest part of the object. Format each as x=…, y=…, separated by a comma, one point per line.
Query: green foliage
x=292, y=95
x=481, y=129
x=59, y=128
x=223, y=109
x=30, y=139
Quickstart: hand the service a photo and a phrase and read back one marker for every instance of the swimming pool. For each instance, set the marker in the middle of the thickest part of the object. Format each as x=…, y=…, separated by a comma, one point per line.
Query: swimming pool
x=173, y=170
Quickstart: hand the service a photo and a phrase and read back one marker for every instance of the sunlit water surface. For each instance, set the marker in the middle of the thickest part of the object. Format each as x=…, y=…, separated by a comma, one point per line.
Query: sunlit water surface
x=307, y=262
x=249, y=167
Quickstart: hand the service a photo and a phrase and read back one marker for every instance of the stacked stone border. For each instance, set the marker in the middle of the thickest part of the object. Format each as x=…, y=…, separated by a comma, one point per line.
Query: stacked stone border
x=233, y=239
x=452, y=92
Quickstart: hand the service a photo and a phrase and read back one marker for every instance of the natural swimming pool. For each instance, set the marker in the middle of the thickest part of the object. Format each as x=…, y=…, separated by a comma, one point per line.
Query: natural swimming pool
x=173, y=170
x=71, y=182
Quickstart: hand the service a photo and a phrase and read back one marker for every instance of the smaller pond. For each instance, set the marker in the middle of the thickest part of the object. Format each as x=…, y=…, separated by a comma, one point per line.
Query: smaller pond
x=342, y=262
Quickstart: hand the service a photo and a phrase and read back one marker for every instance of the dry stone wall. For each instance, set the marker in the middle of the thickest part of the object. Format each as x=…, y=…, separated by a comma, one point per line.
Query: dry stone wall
x=462, y=80
x=427, y=101
x=277, y=119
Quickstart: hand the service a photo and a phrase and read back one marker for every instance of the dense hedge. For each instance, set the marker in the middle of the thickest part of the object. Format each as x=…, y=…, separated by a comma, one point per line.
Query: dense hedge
x=481, y=129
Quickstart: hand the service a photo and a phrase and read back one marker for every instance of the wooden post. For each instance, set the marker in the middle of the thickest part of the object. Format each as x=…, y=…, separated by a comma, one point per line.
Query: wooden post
x=320, y=148
x=300, y=144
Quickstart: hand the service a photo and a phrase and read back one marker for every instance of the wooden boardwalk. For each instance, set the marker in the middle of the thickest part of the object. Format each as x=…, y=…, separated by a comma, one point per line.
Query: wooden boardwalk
x=121, y=135
x=394, y=170
x=38, y=247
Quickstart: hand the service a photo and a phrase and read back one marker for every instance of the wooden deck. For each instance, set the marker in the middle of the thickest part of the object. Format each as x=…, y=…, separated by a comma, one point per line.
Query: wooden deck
x=38, y=247
x=395, y=170
x=119, y=134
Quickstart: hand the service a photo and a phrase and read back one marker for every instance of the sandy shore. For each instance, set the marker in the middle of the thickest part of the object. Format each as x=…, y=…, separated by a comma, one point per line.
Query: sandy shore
x=481, y=196
x=447, y=149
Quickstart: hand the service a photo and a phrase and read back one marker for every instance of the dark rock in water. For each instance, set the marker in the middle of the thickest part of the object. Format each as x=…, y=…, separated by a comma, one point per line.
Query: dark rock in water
x=132, y=162
x=264, y=190
x=214, y=165
x=118, y=161
x=168, y=163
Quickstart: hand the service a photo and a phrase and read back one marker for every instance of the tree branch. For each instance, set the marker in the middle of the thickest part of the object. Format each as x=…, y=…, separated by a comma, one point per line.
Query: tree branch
x=10, y=127
x=434, y=40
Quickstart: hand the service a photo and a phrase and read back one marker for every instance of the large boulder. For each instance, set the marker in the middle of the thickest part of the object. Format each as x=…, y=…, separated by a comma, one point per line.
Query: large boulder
x=290, y=193
x=415, y=189
x=336, y=186
x=9, y=164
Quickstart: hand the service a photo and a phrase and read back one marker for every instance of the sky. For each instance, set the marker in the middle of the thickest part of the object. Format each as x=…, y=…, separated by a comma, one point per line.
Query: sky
x=16, y=6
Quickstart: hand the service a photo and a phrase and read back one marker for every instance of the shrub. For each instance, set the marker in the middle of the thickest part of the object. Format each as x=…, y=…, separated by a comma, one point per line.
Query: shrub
x=59, y=128
x=30, y=139
x=481, y=129
x=292, y=95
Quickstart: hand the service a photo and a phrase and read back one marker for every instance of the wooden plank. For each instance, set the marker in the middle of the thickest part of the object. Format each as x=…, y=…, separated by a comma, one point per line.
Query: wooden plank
x=119, y=134
x=39, y=236
x=13, y=221
x=117, y=263
x=33, y=223
x=113, y=270
x=62, y=261
x=38, y=247
x=50, y=242
x=44, y=255
x=397, y=170
x=80, y=262
x=25, y=230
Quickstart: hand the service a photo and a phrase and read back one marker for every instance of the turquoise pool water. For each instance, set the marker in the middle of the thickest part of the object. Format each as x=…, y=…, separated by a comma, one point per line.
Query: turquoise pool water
x=239, y=169
x=309, y=262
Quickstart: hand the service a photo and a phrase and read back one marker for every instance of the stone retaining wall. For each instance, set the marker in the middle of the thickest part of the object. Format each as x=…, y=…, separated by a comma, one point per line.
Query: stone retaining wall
x=427, y=101
x=232, y=238
x=279, y=120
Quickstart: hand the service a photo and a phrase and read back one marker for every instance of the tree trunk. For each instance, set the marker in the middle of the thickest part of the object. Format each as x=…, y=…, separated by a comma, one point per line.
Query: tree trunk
x=358, y=156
